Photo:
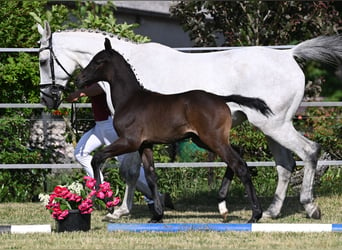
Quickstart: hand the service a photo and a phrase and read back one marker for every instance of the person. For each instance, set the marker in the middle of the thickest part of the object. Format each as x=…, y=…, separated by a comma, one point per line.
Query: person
x=103, y=133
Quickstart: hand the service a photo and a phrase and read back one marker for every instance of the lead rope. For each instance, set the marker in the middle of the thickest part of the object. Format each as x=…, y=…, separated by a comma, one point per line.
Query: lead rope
x=74, y=123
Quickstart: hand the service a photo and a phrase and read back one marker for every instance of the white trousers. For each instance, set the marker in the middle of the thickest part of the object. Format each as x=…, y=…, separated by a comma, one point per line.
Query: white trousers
x=103, y=133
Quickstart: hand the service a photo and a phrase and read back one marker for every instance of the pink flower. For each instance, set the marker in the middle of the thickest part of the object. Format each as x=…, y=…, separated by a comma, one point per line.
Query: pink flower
x=90, y=182
x=116, y=201
x=113, y=203
x=92, y=193
x=63, y=214
x=109, y=193
x=86, y=206
x=75, y=197
x=100, y=195
x=105, y=186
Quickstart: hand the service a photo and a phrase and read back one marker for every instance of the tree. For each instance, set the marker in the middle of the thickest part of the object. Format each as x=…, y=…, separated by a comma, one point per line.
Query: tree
x=239, y=23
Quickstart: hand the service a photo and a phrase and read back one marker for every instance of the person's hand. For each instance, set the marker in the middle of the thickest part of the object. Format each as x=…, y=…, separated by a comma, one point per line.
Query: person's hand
x=74, y=96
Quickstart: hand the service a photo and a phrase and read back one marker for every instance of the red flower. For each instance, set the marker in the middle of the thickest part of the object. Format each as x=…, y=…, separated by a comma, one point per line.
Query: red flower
x=62, y=192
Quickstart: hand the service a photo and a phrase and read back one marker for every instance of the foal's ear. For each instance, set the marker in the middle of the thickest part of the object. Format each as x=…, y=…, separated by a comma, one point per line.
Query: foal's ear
x=107, y=44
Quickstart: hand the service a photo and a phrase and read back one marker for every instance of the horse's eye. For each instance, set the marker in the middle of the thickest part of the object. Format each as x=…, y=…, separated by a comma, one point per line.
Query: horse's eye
x=43, y=62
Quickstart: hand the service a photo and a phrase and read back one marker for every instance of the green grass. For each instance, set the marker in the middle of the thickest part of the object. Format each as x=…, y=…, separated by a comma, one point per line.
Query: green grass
x=201, y=209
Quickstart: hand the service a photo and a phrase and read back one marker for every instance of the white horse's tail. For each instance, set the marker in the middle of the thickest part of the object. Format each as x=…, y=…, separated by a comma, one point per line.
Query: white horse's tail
x=326, y=49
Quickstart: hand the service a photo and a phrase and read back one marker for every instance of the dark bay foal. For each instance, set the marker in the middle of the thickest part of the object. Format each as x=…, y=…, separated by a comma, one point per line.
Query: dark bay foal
x=143, y=118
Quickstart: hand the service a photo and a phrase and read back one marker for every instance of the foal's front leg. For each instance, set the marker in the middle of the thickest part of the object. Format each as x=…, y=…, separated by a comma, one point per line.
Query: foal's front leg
x=118, y=147
x=151, y=177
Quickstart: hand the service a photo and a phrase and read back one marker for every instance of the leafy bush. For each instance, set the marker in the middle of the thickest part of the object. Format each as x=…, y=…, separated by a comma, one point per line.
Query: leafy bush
x=19, y=185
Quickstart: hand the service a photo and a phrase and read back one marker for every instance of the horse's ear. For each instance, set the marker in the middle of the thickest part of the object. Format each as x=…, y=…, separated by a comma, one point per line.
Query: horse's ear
x=46, y=31
x=40, y=29
x=107, y=44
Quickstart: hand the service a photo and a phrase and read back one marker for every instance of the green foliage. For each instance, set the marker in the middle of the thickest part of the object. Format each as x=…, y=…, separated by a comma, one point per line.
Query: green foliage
x=323, y=125
x=19, y=185
x=93, y=16
x=256, y=22
x=331, y=182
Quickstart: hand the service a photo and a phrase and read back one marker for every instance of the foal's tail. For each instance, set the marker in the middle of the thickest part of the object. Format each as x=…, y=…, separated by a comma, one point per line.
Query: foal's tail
x=326, y=49
x=253, y=103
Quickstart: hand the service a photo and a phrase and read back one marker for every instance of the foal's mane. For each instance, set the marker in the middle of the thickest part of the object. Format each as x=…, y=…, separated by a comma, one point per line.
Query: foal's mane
x=129, y=67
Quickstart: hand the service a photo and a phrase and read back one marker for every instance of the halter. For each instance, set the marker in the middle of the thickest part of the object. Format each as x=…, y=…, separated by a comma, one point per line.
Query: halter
x=54, y=87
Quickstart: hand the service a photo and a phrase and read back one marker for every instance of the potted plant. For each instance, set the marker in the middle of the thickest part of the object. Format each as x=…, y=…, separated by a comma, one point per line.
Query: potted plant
x=71, y=206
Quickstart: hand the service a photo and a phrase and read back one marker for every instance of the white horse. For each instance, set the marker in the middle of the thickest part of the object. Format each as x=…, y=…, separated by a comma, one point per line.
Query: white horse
x=269, y=74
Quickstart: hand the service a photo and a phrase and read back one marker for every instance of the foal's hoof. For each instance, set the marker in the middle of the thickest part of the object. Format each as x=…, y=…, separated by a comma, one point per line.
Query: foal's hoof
x=255, y=218
x=155, y=221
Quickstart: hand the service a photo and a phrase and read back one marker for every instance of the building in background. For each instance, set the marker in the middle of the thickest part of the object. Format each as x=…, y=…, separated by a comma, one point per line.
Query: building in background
x=154, y=21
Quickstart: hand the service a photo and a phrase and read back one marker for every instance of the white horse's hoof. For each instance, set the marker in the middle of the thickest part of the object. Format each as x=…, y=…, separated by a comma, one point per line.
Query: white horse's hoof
x=115, y=216
x=313, y=211
x=267, y=215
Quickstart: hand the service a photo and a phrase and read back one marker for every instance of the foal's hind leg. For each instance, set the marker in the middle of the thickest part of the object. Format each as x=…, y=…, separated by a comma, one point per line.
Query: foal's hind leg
x=240, y=168
x=151, y=177
x=223, y=192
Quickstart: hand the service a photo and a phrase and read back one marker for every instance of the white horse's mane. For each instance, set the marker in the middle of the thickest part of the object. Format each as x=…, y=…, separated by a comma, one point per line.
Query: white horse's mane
x=97, y=31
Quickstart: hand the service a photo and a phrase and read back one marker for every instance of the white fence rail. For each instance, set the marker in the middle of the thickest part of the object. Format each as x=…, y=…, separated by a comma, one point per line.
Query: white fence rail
x=163, y=165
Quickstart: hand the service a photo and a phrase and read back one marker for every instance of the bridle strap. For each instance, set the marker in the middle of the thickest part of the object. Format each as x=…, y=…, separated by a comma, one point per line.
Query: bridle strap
x=54, y=87
x=53, y=58
x=74, y=117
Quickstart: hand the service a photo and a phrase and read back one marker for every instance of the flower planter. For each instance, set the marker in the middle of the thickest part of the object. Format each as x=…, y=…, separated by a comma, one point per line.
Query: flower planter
x=75, y=221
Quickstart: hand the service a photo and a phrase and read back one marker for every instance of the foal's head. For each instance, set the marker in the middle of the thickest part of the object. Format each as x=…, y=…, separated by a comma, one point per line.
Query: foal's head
x=105, y=66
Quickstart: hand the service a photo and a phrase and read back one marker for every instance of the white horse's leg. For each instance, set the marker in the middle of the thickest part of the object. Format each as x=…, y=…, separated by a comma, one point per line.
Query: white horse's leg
x=129, y=171
x=285, y=164
x=133, y=174
x=308, y=151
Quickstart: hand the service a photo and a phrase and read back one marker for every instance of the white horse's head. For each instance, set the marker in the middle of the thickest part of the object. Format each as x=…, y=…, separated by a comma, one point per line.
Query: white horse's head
x=54, y=69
